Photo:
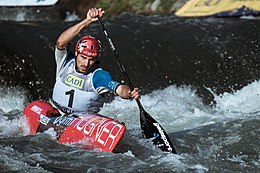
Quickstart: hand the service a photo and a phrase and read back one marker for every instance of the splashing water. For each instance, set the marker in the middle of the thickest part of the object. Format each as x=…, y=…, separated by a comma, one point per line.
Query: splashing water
x=179, y=108
x=245, y=100
x=12, y=98
x=175, y=108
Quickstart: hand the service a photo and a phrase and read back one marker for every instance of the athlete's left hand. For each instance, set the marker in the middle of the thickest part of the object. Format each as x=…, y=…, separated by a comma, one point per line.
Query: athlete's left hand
x=134, y=94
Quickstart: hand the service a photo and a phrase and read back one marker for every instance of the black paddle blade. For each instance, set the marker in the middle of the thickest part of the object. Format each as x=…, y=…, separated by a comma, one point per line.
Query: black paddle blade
x=153, y=130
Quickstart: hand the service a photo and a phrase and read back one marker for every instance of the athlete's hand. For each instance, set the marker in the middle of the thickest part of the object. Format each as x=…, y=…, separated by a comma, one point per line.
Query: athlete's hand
x=93, y=13
x=125, y=92
x=134, y=94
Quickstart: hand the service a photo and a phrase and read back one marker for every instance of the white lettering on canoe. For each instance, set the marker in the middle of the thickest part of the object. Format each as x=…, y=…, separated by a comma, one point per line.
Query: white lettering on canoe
x=112, y=134
x=103, y=130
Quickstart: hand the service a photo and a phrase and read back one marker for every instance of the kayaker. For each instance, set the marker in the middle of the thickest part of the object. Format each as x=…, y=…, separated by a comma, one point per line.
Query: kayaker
x=80, y=82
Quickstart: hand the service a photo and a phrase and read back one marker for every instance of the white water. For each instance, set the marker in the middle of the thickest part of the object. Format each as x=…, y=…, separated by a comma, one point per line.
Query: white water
x=12, y=98
x=180, y=108
x=246, y=100
x=175, y=108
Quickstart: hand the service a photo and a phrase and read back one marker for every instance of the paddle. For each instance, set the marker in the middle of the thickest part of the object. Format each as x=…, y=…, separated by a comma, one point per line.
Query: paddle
x=150, y=127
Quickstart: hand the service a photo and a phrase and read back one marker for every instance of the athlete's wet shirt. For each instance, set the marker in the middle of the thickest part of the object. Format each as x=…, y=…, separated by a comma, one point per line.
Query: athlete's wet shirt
x=79, y=92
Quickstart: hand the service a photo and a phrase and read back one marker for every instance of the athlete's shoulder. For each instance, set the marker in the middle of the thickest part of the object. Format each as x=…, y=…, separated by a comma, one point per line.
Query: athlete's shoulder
x=102, y=78
x=100, y=73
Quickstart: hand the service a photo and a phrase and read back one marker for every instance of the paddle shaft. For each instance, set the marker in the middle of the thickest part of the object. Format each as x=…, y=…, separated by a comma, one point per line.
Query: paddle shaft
x=118, y=60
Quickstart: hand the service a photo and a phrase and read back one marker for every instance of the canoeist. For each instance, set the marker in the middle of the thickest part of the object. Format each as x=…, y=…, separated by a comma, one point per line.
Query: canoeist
x=80, y=82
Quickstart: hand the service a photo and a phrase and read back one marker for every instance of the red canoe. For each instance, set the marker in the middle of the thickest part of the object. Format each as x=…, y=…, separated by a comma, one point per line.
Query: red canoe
x=93, y=131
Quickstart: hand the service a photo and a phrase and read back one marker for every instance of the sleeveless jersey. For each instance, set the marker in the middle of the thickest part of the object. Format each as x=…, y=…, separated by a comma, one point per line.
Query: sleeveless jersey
x=79, y=92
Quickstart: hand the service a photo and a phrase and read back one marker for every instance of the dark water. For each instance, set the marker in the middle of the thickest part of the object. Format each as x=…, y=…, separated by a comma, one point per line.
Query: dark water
x=199, y=78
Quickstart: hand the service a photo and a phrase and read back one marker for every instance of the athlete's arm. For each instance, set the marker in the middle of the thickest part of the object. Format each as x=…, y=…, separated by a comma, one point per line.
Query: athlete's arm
x=74, y=30
x=102, y=82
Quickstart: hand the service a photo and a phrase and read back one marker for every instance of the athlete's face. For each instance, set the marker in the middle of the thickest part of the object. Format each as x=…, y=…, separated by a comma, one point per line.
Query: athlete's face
x=84, y=63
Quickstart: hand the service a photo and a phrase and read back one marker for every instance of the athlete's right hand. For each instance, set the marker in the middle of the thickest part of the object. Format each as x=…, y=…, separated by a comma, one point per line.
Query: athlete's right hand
x=93, y=13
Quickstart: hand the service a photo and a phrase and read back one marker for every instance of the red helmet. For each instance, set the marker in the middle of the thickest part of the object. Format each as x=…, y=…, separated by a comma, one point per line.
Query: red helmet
x=88, y=46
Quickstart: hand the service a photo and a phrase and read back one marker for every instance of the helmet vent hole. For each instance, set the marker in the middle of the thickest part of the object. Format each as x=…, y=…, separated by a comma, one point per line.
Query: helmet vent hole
x=92, y=47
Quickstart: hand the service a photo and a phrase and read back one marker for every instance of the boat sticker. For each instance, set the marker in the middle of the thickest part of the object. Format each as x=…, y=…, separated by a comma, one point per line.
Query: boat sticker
x=74, y=81
x=63, y=120
x=36, y=109
x=44, y=120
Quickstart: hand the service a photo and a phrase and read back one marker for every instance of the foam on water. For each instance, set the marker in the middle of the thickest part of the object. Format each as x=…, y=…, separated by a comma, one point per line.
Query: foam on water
x=179, y=108
x=175, y=108
x=245, y=100
x=9, y=128
x=12, y=123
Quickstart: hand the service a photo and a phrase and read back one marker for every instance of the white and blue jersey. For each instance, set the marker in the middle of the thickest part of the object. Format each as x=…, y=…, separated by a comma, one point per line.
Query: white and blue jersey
x=76, y=92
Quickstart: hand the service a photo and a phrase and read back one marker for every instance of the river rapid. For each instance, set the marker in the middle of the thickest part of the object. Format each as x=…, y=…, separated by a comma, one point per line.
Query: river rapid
x=199, y=78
